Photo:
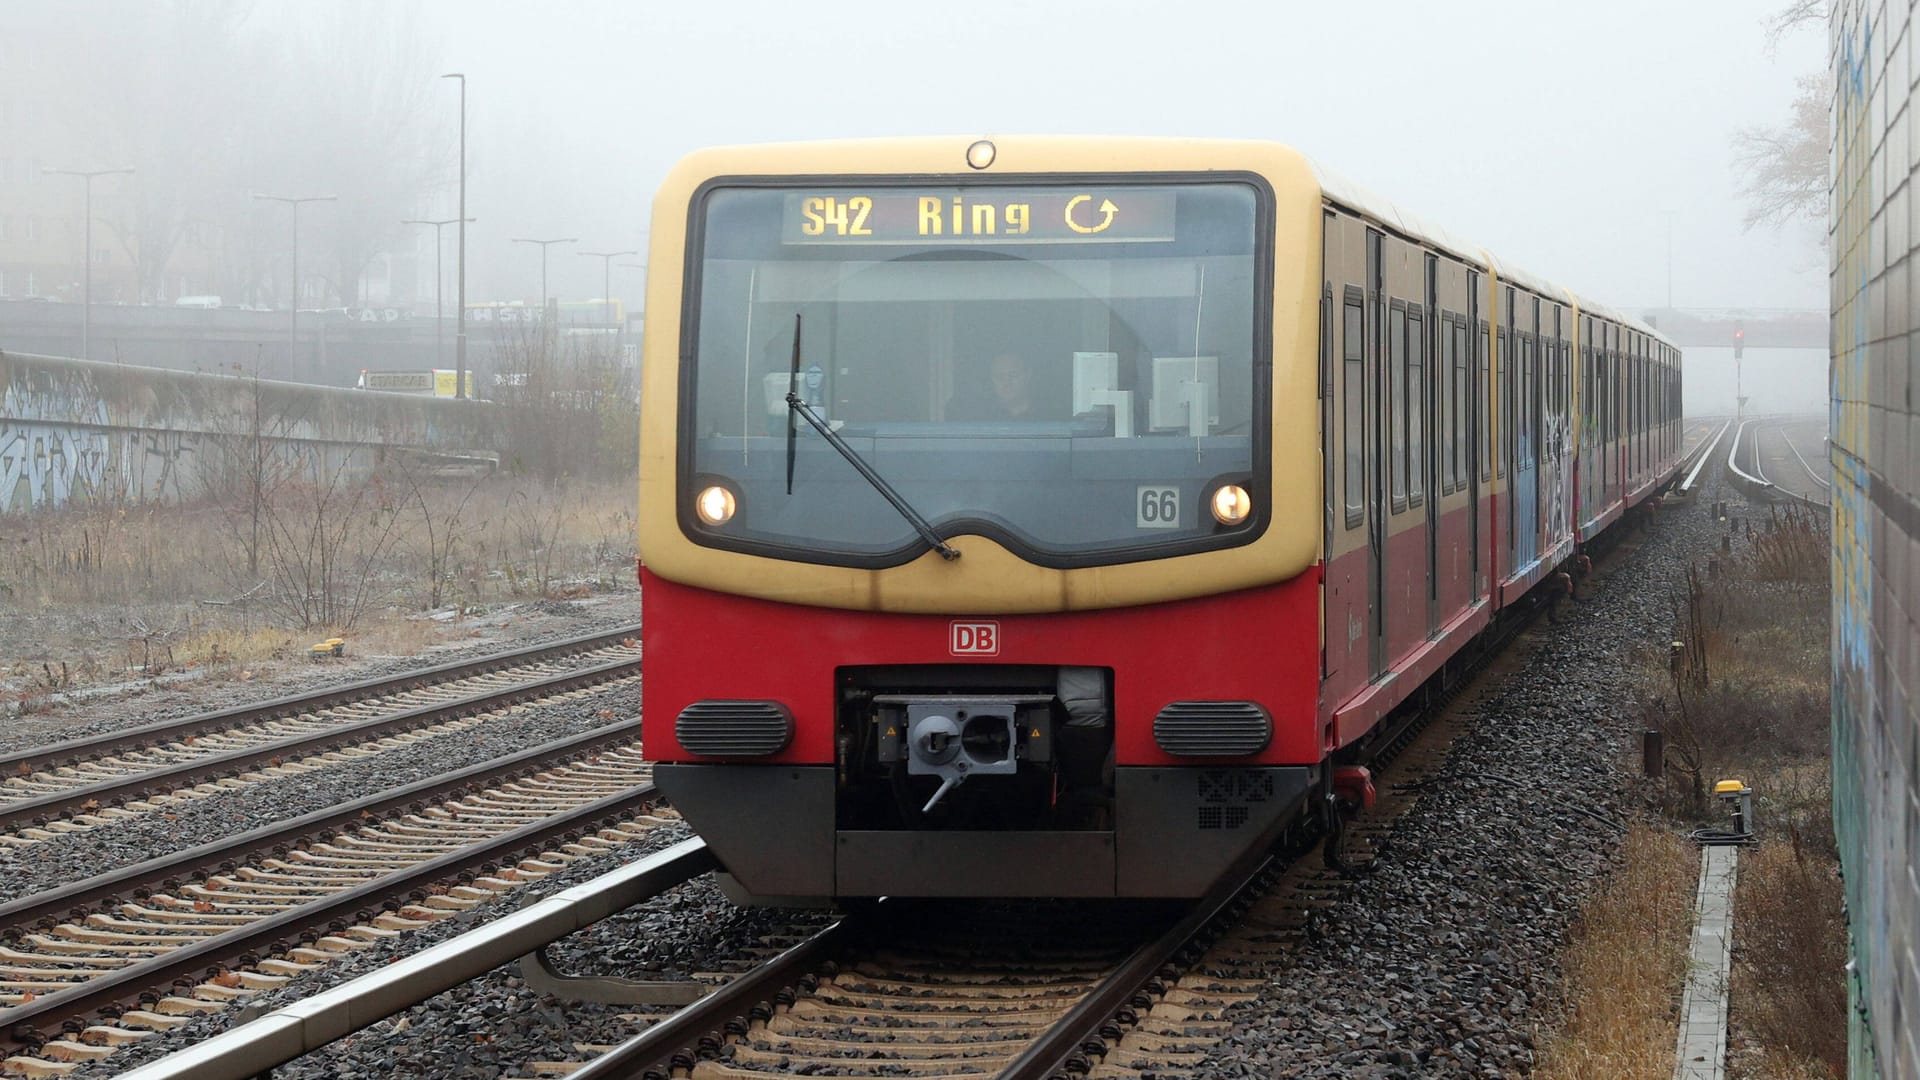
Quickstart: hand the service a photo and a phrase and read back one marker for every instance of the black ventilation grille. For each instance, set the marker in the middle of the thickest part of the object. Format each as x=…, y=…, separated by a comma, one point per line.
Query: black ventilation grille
x=734, y=728
x=1212, y=728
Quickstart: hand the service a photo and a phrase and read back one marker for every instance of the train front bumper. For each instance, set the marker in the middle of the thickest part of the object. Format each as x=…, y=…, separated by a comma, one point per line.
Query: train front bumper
x=1176, y=830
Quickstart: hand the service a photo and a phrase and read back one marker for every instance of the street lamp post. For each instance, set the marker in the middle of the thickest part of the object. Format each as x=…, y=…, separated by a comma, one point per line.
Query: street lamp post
x=544, y=244
x=293, y=305
x=642, y=267
x=460, y=317
x=86, y=257
x=438, y=278
x=606, y=280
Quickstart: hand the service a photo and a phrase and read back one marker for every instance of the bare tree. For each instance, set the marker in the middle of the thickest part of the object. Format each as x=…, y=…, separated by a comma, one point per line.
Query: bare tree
x=1797, y=15
x=326, y=534
x=442, y=525
x=570, y=404
x=360, y=82
x=181, y=143
x=1784, y=168
x=253, y=467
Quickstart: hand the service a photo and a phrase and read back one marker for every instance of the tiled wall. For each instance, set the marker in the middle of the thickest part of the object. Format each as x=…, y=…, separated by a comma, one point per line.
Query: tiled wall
x=1875, y=229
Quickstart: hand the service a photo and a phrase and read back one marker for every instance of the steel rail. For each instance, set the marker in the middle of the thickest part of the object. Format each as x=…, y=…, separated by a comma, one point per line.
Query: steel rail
x=1704, y=454
x=1733, y=464
x=290, y=1031
x=677, y=1036
x=1078, y=1032
x=76, y=750
x=26, y=812
x=124, y=984
x=74, y=897
x=1817, y=478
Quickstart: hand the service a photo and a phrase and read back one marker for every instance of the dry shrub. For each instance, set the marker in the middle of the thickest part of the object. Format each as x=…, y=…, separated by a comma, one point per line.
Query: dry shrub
x=1748, y=691
x=1625, y=968
x=233, y=651
x=1793, y=546
x=393, y=637
x=1790, y=956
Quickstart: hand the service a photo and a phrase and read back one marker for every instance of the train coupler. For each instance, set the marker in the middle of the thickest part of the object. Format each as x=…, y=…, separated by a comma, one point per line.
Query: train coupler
x=1353, y=784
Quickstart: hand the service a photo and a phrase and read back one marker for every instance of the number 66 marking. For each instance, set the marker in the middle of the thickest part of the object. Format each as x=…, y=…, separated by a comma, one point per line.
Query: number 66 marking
x=1157, y=508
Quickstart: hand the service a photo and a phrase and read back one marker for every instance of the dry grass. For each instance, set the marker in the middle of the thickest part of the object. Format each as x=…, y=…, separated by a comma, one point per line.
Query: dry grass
x=510, y=537
x=1626, y=966
x=1790, y=949
x=393, y=637
x=234, y=652
x=1748, y=699
x=100, y=592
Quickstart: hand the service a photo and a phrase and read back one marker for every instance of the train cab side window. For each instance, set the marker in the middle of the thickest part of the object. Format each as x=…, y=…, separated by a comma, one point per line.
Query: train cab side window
x=1353, y=401
x=1416, y=406
x=1397, y=408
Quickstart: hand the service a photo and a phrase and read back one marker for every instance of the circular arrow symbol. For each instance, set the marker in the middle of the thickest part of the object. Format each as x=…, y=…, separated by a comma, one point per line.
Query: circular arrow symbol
x=1106, y=208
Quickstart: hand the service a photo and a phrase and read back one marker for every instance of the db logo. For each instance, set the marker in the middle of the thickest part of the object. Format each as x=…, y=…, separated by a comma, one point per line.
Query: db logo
x=974, y=638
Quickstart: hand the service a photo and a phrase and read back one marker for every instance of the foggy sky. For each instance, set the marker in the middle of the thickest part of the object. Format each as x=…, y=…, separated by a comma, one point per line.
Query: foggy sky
x=1561, y=138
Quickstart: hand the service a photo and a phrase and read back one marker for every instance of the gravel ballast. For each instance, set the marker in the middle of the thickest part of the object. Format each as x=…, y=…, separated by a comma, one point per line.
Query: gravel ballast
x=77, y=855
x=1445, y=961
x=494, y=1025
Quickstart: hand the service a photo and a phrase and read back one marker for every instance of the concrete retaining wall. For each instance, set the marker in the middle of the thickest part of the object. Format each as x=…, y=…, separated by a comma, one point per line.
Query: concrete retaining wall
x=72, y=429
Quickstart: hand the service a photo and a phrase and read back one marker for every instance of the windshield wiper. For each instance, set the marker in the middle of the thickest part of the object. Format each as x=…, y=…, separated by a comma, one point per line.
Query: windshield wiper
x=796, y=406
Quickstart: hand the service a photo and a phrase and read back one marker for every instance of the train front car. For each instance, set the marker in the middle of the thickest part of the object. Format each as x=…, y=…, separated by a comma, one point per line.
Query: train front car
x=980, y=512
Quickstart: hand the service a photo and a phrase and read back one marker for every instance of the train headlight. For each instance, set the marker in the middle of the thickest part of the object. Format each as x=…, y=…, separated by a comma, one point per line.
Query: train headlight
x=715, y=505
x=1231, y=504
x=980, y=154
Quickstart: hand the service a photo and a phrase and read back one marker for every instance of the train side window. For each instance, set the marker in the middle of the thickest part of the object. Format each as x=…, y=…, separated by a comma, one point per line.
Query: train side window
x=1416, y=406
x=1585, y=380
x=1443, y=402
x=1462, y=425
x=1586, y=395
x=1481, y=412
x=1325, y=388
x=1503, y=404
x=1353, y=408
x=1397, y=407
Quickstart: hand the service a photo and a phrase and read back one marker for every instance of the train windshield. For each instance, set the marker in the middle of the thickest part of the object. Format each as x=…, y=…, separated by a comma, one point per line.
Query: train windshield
x=1072, y=371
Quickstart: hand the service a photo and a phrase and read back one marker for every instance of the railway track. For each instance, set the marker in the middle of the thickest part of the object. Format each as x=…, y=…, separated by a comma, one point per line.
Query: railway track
x=1696, y=458
x=906, y=989
x=1746, y=464
x=116, y=958
x=1814, y=488
x=927, y=990
x=88, y=783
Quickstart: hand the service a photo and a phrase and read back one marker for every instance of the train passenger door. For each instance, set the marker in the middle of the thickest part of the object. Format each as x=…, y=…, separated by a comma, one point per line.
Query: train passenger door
x=1509, y=361
x=1475, y=421
x=1423, y=398
x=1347, y=586
x=1379, y=453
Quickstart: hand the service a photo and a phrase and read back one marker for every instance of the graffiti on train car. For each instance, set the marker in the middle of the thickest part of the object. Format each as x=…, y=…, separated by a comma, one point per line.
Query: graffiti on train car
x=1556, y=480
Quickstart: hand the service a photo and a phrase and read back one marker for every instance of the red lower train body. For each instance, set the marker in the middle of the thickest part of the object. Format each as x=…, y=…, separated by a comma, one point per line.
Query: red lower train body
x=782, y=826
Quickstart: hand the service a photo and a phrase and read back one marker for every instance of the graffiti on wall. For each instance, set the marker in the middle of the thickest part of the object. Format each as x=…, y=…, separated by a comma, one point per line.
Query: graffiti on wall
x=47, y=465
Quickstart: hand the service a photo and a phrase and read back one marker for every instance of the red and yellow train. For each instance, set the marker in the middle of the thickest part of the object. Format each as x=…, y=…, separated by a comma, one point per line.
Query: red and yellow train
x=1060, y=516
